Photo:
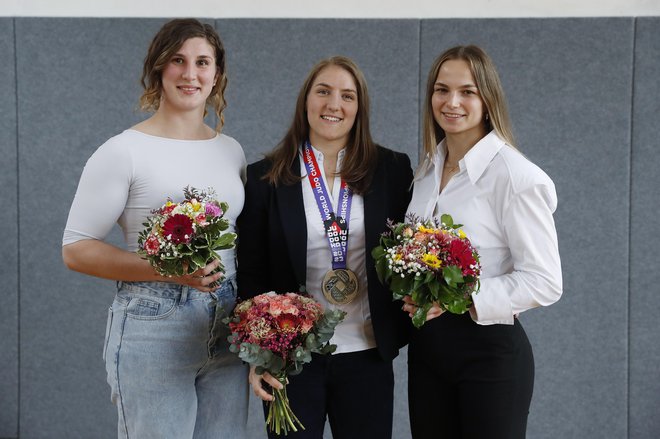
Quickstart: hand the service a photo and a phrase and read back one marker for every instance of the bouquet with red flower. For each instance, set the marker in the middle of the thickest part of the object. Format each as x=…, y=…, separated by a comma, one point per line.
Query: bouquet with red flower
x=431, y=261
x=181, y=238
x=277, y=333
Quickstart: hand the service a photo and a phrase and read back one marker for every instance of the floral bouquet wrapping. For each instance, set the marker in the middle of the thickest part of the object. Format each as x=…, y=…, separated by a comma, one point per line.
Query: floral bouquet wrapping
x=180, y=238
x=277, y=333
x=431, y=261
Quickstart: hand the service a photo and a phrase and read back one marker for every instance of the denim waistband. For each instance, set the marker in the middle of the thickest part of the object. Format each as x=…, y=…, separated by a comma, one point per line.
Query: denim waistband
x=171, y=290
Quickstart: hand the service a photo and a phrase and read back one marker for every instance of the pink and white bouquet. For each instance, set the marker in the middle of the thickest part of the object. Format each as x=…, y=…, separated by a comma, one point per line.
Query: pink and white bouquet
x=180, y=238
x=277, y=333
x=432, y=261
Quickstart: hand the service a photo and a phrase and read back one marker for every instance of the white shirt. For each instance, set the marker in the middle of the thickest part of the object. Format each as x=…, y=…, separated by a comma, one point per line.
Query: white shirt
x=134, y=173
x=355, y=332
x=505, y=203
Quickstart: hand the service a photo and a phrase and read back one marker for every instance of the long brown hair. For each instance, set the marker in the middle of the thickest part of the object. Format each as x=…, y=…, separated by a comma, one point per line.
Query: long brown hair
x=361, y=152
x=490, y=89
x=165, y=44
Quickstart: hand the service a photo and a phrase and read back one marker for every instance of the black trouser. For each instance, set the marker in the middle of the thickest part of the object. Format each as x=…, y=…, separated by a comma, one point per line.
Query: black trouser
x=468, y=381
x=355, y=390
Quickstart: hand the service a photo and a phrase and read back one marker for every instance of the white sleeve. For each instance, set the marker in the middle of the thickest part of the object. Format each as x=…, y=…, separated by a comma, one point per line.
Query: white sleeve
x=536, y=279
x=101, y=196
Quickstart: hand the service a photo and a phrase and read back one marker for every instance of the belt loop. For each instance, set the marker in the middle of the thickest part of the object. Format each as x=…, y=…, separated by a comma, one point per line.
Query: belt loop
x=119, y=284
x=184, y=294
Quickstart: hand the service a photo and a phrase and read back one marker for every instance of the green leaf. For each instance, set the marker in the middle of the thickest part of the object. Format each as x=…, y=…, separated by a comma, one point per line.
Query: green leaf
x=447, y=220
x=452, y=275
x=402, y=285
x=419, y=318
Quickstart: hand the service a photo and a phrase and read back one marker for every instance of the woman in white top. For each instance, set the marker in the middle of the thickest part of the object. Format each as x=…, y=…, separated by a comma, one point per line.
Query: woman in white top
x=472, y=375
x=169, y=368
x=284, y=247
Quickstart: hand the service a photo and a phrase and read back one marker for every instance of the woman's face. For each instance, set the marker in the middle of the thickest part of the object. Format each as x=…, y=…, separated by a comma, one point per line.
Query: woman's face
x=188, y=77
x=456, y=101
x=332, y=103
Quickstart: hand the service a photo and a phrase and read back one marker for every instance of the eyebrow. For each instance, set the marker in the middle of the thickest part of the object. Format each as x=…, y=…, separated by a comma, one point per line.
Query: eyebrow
x=323, y=84
x=461, y=86
x=199, y=57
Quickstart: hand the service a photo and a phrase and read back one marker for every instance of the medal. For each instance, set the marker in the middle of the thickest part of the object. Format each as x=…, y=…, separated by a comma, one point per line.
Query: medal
x=340, y=286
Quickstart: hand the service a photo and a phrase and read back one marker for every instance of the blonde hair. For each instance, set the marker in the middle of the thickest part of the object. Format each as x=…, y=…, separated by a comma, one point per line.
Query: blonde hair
x=165, y=44
x=490, y=89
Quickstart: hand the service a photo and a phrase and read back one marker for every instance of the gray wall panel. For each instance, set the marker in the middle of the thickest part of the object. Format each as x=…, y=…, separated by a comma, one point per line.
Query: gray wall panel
x=563, y=88
x=269, y=59
x=569, y=83
x=645, y=222
x=9, y=220
x=78, y=85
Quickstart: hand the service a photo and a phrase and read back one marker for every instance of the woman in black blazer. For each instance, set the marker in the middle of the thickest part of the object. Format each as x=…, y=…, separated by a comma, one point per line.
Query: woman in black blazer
x=328, y=154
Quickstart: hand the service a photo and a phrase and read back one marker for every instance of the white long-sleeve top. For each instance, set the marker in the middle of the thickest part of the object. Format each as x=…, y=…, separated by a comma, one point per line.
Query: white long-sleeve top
x=134, y=173
x=505, y=203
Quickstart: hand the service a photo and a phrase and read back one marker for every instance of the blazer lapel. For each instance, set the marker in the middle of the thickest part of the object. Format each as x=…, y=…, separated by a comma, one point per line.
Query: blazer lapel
x=375, y=211
x=292, y=212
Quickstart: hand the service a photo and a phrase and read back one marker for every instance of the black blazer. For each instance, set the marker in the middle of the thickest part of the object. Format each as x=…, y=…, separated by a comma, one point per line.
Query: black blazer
x=272, y=230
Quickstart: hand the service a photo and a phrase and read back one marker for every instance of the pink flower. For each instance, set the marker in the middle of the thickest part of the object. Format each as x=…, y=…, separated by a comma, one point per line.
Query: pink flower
x=152, y=245
x=213, y=210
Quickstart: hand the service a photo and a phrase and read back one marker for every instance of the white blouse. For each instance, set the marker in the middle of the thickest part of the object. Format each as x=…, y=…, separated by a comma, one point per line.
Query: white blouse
x=505, y=204
x=355, y=332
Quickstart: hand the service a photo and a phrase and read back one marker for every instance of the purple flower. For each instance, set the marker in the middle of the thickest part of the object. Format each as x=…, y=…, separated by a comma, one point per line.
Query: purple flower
x=213, y=209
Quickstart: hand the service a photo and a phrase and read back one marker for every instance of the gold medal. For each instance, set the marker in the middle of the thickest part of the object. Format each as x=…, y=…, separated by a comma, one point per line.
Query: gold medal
x=340, y=286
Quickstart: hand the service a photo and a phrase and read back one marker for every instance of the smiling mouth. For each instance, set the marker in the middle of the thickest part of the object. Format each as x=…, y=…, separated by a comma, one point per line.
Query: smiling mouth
x=187, y=88
x=331, y=118
x=452, y=115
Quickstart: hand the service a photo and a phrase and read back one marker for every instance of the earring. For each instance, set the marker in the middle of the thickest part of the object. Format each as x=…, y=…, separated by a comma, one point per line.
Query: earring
x=486, y=117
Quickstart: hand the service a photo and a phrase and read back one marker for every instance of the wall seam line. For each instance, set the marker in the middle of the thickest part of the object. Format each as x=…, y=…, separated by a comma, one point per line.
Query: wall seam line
x=420, y=82
x=630, y=215
x=18, y=240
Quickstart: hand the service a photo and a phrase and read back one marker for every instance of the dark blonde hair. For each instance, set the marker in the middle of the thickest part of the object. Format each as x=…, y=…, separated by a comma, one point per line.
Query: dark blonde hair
x=165, y=44
x=361, y=151
x=490, y=89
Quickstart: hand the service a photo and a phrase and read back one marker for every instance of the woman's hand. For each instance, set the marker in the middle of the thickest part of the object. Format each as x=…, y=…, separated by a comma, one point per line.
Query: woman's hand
x=256, y=383
x=410, y=307
x=200, y=279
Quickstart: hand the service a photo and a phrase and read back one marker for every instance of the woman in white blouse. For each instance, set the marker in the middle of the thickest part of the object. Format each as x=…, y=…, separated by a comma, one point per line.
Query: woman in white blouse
x=472, y=375
x=167, y=359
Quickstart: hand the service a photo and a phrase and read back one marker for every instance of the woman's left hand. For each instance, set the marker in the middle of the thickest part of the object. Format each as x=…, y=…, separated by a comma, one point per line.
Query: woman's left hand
x=410, y=307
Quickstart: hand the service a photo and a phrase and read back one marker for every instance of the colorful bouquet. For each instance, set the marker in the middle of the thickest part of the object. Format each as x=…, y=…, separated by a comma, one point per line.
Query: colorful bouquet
x=181, y=238
x=277, y=333
x=431, y=261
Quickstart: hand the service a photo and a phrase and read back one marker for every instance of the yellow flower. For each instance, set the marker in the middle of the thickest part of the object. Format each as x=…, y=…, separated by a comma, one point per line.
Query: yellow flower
x=423, y=229
x=431, y=260
x=196, y=205
x=461, y=234
x=397, y=257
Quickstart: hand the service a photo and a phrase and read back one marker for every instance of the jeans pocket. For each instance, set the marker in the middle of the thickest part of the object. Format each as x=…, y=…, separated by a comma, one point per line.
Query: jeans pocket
x=150, y=307
x=108, y=326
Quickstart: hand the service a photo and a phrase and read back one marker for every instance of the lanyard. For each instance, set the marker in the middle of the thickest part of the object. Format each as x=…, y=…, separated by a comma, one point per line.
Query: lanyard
x=336, y=228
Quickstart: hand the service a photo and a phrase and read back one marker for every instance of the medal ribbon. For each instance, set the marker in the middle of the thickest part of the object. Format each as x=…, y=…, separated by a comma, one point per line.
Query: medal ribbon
x=336, y=228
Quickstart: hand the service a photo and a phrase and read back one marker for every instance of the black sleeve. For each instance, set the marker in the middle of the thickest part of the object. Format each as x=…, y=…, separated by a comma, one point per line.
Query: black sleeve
x=252, y=226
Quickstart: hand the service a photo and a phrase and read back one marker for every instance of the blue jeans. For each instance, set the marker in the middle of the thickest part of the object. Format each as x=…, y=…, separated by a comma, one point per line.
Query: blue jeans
x=168, y=362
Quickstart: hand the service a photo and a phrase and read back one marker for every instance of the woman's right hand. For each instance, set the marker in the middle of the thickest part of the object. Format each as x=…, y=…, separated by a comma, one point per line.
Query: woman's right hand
x=200, y=279
x=257, y=387
x=410, y=307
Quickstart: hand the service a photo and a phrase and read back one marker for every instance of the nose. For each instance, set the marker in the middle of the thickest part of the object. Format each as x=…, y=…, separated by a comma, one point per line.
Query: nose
x=334, y=102
x=189, y=72
x=453, y=100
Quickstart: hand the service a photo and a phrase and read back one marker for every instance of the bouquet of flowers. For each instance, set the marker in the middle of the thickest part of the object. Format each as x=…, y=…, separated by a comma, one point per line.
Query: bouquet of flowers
x=277, y=333
x=431, y=261
x=181, y=238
